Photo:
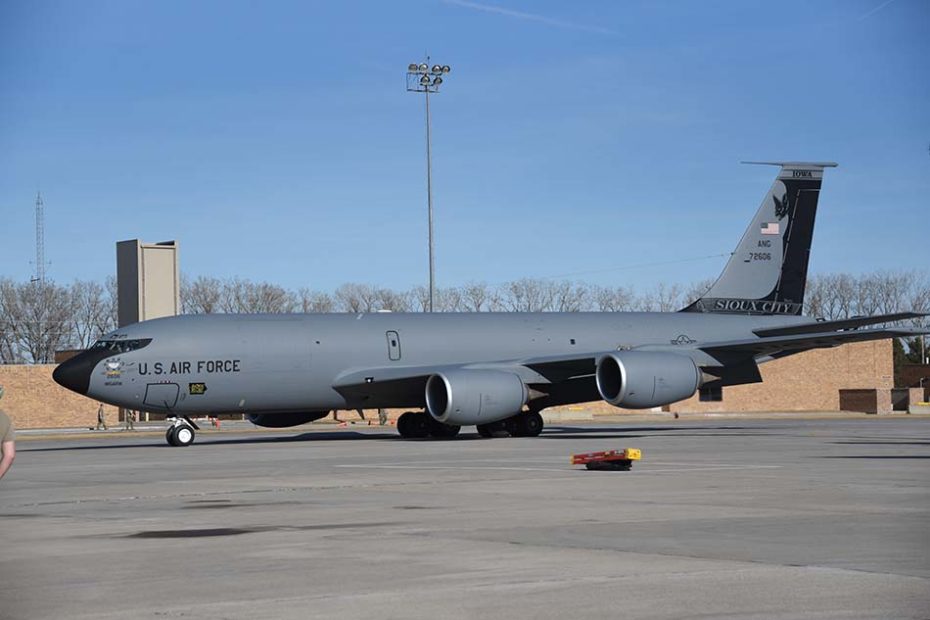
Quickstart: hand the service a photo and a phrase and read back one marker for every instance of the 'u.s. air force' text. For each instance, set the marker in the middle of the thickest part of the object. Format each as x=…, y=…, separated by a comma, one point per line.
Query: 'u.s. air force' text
x=189, y=367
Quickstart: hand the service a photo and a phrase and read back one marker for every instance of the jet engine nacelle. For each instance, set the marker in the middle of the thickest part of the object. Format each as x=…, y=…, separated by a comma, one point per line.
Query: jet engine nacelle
x=283, y=420
x=464, y=397
x=643, y=379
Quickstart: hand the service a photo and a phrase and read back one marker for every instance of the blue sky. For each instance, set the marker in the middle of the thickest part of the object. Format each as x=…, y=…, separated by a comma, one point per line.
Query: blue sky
x=275, y=141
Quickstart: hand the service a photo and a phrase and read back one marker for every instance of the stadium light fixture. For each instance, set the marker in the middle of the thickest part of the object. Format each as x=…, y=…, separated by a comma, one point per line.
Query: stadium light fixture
x=423, y=79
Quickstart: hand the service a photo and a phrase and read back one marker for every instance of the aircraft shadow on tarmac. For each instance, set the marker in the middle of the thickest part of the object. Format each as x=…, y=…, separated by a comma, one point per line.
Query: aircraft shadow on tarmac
x=597, y=433
x=623, y=432
x=230, y=531
x=882, y=442
x=890, y=457
x=206, y=440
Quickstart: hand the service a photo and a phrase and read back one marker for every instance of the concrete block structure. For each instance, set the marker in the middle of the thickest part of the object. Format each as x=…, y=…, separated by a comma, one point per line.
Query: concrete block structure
x=148, y=280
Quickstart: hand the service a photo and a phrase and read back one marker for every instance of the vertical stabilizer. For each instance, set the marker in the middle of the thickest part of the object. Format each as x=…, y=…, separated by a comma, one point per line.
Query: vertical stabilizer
x=768, y=271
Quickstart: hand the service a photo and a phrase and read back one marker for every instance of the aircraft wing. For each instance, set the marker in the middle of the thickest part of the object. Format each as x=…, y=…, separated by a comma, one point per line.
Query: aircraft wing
x=406, y=384
x=775, y=345
x=409, y=382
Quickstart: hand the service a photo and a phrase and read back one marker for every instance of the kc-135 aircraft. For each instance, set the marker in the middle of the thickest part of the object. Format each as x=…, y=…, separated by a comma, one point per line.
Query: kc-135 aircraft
x=493, y=370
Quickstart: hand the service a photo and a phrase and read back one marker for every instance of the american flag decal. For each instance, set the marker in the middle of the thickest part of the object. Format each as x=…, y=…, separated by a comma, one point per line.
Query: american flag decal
x=770, y=228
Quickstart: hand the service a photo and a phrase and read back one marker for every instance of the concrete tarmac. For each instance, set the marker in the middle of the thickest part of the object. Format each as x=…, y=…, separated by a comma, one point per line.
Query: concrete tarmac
x=722, y=518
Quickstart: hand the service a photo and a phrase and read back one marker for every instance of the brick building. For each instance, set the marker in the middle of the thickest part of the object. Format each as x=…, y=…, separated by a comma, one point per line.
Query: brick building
x=33, y=400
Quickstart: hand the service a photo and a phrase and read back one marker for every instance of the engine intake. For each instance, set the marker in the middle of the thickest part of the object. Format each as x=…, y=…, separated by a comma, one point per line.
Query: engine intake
x=283, y=420
x=464, y=397
x=644, y=379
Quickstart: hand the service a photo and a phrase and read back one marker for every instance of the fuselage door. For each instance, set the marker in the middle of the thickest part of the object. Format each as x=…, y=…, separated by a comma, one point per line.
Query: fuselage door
x=161, y=395
x=393, y=343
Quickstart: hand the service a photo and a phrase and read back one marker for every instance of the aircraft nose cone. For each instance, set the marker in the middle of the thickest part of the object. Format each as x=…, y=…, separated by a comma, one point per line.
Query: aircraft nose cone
x=74, y=373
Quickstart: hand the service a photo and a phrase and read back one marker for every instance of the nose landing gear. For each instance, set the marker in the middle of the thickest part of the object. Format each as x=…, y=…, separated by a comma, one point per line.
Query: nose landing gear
x=181, y=432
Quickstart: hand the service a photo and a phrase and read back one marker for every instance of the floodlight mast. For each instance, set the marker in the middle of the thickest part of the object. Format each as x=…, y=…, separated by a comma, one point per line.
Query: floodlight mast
x=426, y=79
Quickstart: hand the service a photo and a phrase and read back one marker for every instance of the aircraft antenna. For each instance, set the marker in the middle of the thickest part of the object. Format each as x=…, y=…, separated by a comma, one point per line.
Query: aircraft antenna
x=40, y=240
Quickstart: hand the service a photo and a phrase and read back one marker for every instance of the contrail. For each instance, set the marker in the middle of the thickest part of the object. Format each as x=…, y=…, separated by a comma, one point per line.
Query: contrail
x=875, y=10
x=542, y=19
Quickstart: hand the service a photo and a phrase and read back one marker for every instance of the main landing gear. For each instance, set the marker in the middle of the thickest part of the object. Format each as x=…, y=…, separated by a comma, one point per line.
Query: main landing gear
x=181, y=432
x=420, y=424
x=528, y=424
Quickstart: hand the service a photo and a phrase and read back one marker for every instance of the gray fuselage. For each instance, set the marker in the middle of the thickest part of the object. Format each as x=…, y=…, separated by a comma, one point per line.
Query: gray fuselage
x=290, y=363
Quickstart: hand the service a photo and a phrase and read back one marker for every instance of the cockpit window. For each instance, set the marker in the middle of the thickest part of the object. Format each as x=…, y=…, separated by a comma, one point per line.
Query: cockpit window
x=120, y=346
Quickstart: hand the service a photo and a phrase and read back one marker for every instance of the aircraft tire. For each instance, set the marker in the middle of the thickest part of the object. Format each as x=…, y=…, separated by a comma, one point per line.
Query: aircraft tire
x=496, y=429
x=531, y=424
x=403, y=424
x=420, y=425
x=414, y=425
x=443, y=431
x=184, y=435
x=170, y=436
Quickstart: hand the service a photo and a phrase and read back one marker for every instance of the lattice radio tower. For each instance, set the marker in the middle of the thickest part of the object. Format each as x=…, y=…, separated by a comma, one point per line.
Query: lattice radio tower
x=40, y=240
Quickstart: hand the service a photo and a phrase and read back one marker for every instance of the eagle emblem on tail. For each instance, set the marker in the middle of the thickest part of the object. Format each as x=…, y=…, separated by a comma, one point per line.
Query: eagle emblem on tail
x=781, y=206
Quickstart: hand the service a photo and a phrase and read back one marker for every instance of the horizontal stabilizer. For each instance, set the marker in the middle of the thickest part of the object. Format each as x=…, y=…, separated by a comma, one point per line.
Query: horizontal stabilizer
x=825, y=326
x=775, y=345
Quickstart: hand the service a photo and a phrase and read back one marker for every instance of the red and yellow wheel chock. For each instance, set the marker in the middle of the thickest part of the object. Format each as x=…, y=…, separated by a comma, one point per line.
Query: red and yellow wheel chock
x=621, y=460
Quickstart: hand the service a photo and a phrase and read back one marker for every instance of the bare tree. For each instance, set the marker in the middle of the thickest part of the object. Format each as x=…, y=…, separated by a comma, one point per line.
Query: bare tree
x=314, y=301
x=476, y=297
x=391, y=301
x=202, y=296
x=418, y=299
x=354, y=297
x=569, y=297
x=696, y=291
x=613, y=299
x=451, y=300
x=90, y=313
x=242, y=296
x=662, y=298
x=38, y=317
x=9, y=351
x=527, y=295
x=112, y=297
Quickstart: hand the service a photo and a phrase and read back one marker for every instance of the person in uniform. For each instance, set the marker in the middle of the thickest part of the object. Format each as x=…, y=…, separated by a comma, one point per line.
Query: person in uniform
x=101, y=418
x=382, y=416
x=130, y=420
x=7, y=443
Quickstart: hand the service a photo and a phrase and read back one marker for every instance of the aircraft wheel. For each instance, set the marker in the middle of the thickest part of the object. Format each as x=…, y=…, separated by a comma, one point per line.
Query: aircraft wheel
x=184, y=435
x=527, y=424
x=442, y=431
x=420, y=425
x=500, y=428
x=414, y=425
x=511, y=426
x=170, y=435
x=403, y=424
